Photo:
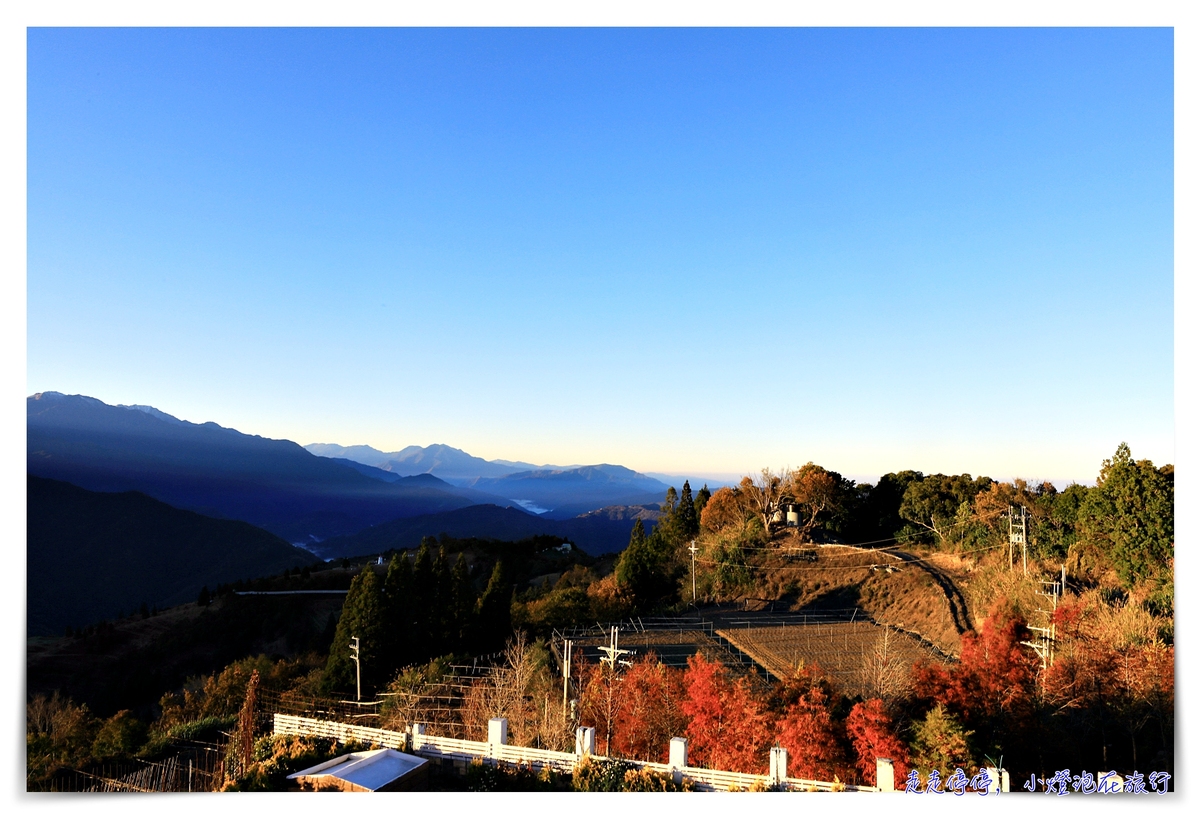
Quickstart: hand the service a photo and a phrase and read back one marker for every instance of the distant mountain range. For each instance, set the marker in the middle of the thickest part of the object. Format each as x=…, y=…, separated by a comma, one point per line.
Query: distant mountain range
x=564, y=493
x=274, y=484
x=303, y=495
x=91, y=556
x=558, y=492
x=450, y=464
x=598, y=532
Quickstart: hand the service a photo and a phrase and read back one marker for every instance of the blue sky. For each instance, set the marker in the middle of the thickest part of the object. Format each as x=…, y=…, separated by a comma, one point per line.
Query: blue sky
x=686, y=251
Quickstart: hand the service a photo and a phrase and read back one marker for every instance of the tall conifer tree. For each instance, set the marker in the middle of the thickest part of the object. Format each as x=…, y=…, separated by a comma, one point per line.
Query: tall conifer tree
x=422, y=601
x=399, y=614
x=463, y=602
x=493, y=620
x=362, y=616
x=687, y=523
x=702, y=498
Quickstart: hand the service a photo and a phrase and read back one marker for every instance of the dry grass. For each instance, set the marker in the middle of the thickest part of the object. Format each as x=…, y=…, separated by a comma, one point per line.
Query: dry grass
x=859, y=658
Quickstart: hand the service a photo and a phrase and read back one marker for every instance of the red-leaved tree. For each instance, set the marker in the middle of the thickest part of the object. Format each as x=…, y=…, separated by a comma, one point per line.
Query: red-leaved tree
x=806, y=727
x=992, y=689
x=648, y=710
x=873, y=736
x=727, y=727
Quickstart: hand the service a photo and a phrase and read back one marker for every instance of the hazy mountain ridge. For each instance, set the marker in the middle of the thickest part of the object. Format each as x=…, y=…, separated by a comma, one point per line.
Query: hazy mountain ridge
x=563, y=492
x=570, y=492
x=438, y=459
x=274, y=484
x=601, y=531
x=287, y=489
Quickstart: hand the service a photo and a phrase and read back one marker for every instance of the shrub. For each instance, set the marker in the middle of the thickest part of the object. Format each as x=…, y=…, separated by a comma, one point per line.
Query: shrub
x=274, y=758
x=595, y=775
x=483, y=777
x=120, y=735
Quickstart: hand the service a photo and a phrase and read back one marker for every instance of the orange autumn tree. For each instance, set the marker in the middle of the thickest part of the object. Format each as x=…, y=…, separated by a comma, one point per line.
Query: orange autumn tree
x=993, y=688
x=599, y=702
x=728, y=728
x=873, y=736
x=806, y=727
x=995, y=677
x=1114, y=691
x=648, y=710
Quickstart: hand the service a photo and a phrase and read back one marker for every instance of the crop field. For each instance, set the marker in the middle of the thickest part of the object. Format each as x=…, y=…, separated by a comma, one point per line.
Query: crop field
x=671, y=647
x=860, y=658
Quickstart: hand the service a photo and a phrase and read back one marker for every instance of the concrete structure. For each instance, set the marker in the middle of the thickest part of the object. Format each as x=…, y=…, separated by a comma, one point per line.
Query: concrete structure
x=677, y=758
x=998, y=779
x=371, y=771
x=885, y=774
x=497, y=736
x=585, y=741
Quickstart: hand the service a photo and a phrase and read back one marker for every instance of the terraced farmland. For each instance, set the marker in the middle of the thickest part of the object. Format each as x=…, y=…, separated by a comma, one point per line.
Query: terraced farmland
x=860, y=658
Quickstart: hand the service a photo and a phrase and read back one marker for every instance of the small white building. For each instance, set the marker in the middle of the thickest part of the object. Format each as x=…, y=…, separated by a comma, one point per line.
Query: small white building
x=370, y=771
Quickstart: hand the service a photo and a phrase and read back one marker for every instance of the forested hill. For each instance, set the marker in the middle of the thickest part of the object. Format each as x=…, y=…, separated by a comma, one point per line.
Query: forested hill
x=92, y=555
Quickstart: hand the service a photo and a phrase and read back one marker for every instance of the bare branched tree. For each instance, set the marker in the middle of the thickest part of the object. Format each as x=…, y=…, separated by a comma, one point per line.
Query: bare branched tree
x=884, y=673
x=764, y=496
x=507, y=692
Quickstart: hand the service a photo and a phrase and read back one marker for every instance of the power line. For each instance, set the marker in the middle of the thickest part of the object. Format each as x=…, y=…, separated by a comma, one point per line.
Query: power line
x=908, y=560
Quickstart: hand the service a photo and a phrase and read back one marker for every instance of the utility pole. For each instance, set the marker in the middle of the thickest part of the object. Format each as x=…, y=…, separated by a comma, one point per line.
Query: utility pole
x=566, y=671
x=1044, y=645
x=1016, y=536
x=612, y=653
x=693, y=549
x=357, y=669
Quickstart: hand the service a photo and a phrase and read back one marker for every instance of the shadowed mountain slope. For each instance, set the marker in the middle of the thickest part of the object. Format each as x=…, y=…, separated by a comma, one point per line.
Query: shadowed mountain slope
x=93, y=555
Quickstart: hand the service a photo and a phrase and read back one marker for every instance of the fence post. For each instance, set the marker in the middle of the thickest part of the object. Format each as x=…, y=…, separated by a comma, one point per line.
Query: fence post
x=885, y=775
x=418, y=736
x=778, y=765
x=585, y=741
x=497, y=736
x=678, y=758
x=997, y=779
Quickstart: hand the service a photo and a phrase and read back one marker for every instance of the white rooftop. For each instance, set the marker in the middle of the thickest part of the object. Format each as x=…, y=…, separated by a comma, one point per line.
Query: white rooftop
x=371, y=770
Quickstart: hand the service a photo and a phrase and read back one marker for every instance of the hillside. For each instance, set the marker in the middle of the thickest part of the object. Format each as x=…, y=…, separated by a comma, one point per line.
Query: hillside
x=92, y=555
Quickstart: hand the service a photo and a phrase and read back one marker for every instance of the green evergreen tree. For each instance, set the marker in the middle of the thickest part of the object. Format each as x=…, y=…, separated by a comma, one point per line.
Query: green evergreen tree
x=1130, y=514
x=442, y=605
x=687, y=522
x=423, y=590
x=670, y=503
x=399, y=613
x=641, y=571
x=667, y=524
x=462, y=604
x=702, y=498
x=362, y=616
x=493, y=613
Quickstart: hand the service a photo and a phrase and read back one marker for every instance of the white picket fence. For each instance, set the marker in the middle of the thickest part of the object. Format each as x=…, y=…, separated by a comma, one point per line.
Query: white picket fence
x=461, y=750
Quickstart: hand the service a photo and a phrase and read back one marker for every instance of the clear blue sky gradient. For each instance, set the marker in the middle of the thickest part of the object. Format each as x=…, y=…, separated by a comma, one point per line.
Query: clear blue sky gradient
x=686, y=251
